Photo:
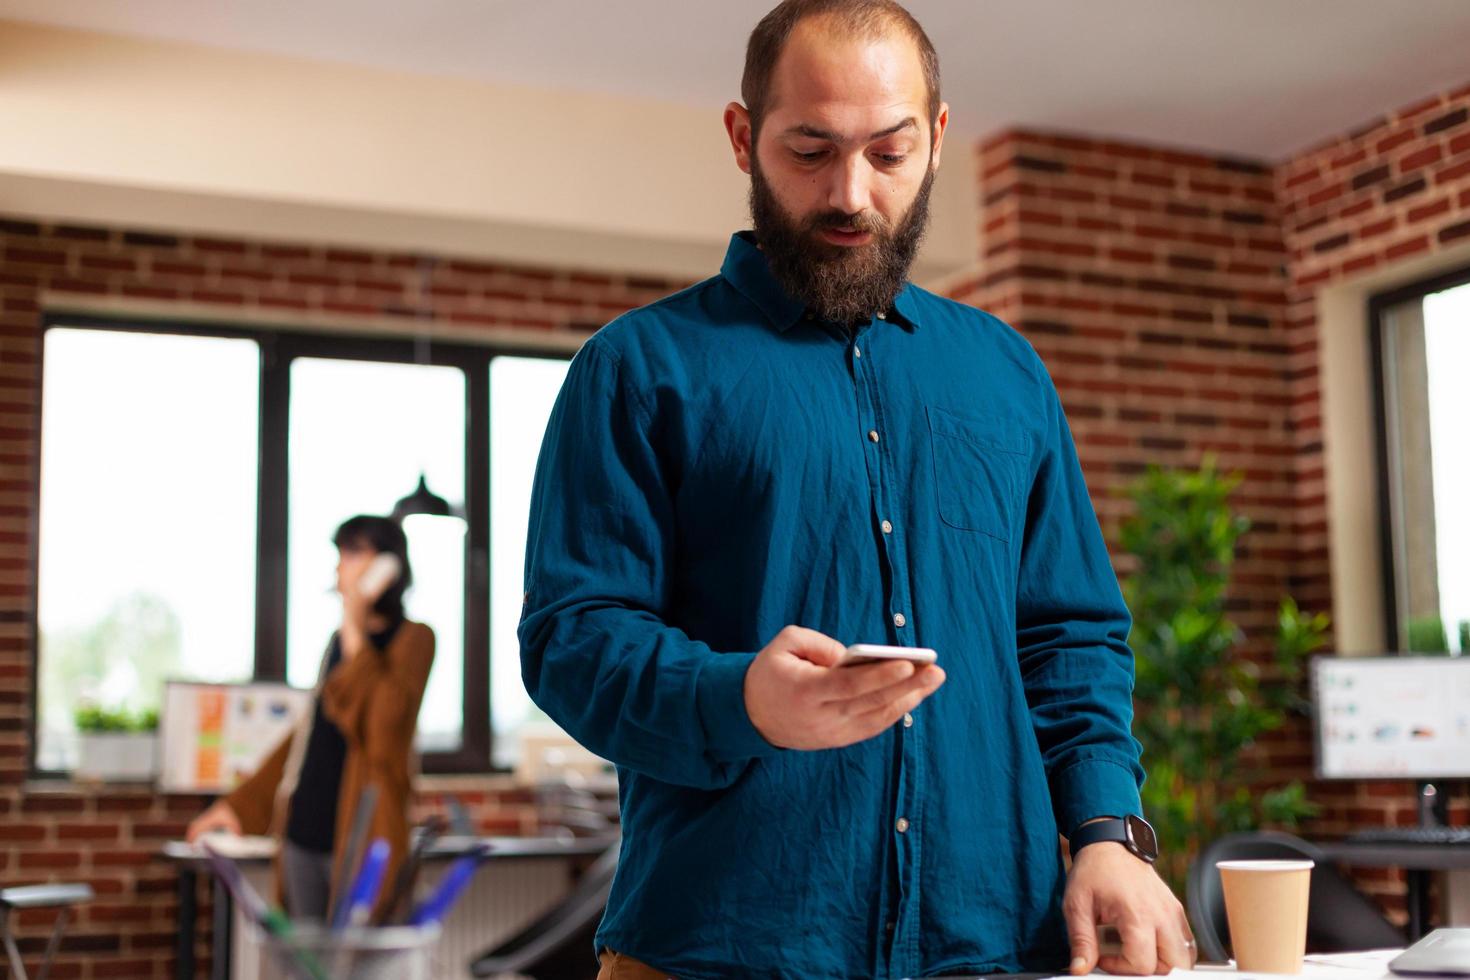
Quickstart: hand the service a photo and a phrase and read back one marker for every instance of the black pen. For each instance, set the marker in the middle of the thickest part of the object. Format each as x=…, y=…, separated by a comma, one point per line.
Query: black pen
x=399, y=897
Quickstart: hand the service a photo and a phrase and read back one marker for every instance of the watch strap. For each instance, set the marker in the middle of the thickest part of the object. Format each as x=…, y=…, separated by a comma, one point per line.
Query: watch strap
x=1108, y=829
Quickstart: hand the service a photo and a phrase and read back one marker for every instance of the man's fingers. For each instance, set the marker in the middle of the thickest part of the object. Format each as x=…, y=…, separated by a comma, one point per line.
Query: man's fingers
x=864, y=725
x=1188, y=951
x=884, y=707
x=864, y=681
x=1081, y=931
x=1140, y=952
x=1174, y=951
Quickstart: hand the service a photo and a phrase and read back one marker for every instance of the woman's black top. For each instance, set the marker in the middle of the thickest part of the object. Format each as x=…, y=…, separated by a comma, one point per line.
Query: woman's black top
x=311, y=823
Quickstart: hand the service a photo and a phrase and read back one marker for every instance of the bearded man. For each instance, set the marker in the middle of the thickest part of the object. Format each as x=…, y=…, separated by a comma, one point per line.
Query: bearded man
x=804, y=452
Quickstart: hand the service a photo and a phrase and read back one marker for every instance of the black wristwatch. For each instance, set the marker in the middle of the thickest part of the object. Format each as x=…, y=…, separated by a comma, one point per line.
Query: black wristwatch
x=1132, y=832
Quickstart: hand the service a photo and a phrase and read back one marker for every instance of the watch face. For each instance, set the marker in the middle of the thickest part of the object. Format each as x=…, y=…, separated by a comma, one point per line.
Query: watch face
x=1142, y=836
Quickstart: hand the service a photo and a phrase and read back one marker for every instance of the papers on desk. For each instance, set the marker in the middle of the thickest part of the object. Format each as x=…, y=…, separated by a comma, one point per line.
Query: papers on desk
x=1369, y=965
x=239, y=847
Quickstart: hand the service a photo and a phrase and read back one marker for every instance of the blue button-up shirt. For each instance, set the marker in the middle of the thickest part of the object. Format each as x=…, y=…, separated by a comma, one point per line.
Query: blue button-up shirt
x=719, y=465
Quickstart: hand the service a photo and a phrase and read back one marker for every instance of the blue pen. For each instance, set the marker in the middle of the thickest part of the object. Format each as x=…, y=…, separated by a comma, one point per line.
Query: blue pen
x=359, y=905
x=436, y=906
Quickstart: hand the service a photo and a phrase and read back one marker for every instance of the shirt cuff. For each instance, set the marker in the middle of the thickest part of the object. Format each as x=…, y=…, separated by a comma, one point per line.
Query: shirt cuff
x=1093, y=788
x=720, y=698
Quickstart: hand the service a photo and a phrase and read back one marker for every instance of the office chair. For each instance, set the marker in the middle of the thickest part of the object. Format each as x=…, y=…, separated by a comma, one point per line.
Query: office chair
x=558, y=945
x=15, y=899
x=1339, y=917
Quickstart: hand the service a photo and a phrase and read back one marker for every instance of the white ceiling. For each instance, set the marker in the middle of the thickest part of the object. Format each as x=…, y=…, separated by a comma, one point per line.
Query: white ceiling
x=1260, y=78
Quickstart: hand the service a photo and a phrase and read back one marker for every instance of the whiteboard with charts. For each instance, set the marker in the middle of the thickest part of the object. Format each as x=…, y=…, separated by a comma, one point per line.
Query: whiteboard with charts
x=213, y=736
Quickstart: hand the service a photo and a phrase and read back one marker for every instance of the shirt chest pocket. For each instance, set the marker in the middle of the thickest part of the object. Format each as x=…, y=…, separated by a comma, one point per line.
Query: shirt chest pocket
x=980, y=469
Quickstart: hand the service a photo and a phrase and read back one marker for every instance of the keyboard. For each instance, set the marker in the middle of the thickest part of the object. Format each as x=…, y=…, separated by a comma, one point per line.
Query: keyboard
x=1412, y=835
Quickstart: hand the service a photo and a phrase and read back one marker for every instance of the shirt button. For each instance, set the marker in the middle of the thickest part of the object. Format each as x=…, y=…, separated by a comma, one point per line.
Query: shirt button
x=872, y=435
x=889, y=927
x=882, y=316
x=887, y=527
x=857, y=352
x=898, y=620
x=908, y=720
x=902, y=825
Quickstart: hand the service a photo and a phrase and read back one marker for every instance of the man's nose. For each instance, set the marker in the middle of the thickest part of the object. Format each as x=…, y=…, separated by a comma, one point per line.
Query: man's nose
x=850, y=192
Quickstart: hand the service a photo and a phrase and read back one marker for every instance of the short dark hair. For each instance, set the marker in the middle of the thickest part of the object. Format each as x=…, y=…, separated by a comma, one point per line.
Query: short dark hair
x=383, y=535
x=858, y=18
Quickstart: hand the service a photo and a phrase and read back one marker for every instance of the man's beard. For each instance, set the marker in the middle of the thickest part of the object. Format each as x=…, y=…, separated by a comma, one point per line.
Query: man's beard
x=839, y=283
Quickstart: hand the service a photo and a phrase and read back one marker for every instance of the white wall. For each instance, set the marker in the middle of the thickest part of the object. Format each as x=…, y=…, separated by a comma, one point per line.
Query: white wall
x=162, y=134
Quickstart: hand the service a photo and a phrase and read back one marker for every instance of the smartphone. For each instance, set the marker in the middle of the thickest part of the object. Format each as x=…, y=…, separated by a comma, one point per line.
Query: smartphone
x=867, y=653
x=380, y=573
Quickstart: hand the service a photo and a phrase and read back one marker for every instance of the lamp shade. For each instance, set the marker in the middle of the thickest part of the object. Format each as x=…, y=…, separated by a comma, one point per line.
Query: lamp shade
x=422, y=501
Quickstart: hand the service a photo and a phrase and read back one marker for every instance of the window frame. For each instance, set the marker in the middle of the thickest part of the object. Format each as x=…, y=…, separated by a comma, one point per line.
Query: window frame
x=1379, y=306
x=279, y=347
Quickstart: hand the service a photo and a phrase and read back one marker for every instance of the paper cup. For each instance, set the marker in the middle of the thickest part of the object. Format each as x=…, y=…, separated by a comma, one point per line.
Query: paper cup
x=1266, y=904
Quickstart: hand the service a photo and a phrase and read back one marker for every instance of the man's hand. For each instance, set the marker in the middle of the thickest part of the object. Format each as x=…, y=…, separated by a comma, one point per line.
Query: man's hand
x=798, y=699
x=1109, y=886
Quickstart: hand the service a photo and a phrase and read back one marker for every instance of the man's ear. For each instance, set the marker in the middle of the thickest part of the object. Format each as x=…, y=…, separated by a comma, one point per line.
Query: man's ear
x=941, y=123
x=737, y=126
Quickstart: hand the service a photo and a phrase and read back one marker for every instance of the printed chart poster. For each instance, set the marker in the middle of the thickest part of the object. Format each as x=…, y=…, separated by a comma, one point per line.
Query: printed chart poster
x=213, y=736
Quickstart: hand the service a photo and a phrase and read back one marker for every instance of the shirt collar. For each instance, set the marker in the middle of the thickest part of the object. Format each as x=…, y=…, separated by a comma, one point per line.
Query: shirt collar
x=748, y=271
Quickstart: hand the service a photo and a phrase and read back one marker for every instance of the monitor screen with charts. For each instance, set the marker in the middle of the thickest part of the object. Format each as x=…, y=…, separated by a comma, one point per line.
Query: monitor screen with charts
x=213, y=736
x=1392, y=717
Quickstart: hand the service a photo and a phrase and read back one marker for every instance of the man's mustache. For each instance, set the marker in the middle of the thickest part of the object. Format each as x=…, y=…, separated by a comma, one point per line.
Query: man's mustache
x=865, y=221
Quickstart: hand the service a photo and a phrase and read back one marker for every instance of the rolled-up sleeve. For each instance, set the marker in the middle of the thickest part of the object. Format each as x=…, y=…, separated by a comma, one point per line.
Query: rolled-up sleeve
x=597, y=654
x=1072, y=639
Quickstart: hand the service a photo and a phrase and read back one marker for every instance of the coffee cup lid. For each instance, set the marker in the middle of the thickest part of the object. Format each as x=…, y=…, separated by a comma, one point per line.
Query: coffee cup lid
x=1303, y=865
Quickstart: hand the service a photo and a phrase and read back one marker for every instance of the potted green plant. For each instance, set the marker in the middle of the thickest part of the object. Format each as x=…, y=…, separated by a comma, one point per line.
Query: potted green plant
x=1427, y=634
x=116, y=745
x=1200, y=702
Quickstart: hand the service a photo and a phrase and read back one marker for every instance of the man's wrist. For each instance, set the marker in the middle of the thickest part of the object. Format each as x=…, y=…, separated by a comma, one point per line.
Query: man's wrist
x=1131, y=832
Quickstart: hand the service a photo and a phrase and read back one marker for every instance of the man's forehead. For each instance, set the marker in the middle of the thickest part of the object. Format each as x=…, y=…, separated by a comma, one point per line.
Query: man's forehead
x=825, y=76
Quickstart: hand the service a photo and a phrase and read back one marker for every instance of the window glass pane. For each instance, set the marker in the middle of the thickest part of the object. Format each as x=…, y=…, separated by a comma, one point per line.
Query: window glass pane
x=522, y=392
x=361, y=433
x=1447, y=346
x=149, y=446
x=1426, y=354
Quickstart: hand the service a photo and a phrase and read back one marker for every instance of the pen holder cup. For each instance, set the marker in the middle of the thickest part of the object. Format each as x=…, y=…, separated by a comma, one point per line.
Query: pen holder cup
x=316, y=953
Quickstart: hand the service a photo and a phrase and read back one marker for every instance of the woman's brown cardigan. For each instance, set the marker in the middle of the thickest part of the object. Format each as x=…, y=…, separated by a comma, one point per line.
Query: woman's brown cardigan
x=374, y=699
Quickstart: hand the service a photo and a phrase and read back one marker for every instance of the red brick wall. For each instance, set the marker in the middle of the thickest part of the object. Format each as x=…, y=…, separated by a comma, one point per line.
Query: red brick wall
x=1173, y=297
x=1151, y=283
x=1396, y=189
x=108, y=836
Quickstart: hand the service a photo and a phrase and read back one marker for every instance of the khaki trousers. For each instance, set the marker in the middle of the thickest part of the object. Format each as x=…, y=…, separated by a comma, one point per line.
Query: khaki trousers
x=616, y=966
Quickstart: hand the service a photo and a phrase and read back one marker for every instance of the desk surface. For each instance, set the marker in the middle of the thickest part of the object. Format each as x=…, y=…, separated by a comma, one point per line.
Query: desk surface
x=1423, y=857
x=500, y=848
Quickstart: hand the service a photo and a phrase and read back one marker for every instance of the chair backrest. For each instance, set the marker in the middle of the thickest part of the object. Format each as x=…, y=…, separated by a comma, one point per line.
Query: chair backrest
x=1339, y=917
x=559, y=942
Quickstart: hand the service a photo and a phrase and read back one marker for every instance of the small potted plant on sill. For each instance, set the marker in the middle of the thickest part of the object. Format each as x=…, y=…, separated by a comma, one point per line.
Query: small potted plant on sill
x=116, y=745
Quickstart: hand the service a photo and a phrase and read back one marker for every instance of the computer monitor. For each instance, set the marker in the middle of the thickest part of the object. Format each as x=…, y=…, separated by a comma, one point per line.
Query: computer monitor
x=1392, y=717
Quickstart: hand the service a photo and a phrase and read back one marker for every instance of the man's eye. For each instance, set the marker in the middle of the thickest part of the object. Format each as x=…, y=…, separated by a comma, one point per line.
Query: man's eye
x=809, y=157
x=891, y=159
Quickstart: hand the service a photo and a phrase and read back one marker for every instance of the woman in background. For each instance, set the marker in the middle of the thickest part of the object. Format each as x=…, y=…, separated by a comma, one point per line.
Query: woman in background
x=359, y=733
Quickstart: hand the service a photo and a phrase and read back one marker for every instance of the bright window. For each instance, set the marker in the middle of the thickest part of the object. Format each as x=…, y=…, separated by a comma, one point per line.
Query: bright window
x=1425, y=353
x=148, y=520
x=522, y=392
x=361, y=434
